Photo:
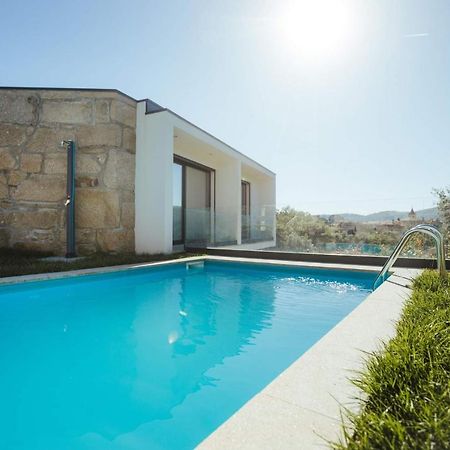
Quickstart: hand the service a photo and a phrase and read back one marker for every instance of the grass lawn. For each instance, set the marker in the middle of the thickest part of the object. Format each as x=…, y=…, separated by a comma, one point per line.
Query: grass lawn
x=407, y=383
x=14, y=262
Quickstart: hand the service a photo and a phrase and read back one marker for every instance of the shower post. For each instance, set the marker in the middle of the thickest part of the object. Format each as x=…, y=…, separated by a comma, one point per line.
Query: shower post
x=69, y=145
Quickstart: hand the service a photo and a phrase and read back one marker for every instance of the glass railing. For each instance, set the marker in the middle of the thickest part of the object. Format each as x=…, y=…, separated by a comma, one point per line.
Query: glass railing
x=289, y=230
x=350, y=234
x=224, y=228
x=203, y=227
x=258, y=226
x=198, y=226
x=377, y=235
x=423, y=250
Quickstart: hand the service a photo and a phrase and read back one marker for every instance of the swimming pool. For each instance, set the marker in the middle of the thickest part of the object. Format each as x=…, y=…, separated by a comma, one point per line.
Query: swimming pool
x=155, y=358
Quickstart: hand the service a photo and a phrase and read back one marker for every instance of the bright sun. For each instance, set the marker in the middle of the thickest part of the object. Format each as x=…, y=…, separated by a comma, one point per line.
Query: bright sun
x=317, y=29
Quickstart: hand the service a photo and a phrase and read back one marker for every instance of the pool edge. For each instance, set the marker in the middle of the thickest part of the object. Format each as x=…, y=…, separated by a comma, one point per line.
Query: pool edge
x=120, y=268
x=93, y=271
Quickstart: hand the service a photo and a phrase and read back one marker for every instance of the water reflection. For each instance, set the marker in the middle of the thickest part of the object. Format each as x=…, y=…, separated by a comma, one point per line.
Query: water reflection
x=221, y=318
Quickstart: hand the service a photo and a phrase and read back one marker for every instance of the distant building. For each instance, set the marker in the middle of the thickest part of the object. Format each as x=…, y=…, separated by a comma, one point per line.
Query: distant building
x=412, y=215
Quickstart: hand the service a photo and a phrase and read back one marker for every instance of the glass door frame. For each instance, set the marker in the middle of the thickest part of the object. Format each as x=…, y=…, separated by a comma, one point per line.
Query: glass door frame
x=211, y=192
x=246, y=211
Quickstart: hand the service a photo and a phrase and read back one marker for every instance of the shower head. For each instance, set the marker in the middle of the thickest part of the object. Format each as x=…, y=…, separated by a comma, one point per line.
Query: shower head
x=65, y=144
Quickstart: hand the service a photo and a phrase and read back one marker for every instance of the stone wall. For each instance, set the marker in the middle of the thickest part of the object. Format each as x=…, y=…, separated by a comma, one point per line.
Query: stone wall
x=33, y=169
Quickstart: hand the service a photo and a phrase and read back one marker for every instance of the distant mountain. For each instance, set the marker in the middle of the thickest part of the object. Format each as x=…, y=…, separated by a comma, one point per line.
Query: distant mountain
x=385, y=216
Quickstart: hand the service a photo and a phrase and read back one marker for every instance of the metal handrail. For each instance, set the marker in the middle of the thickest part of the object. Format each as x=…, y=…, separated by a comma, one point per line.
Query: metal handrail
x=429, y=230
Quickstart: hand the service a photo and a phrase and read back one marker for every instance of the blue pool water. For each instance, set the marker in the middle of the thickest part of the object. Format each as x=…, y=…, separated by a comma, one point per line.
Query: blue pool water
x=157, y=358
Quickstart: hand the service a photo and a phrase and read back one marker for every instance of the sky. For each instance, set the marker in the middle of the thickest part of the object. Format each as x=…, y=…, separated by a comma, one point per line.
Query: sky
x=348, y=101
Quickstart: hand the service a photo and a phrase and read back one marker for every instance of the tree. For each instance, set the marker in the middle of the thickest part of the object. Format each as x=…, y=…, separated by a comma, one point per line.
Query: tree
x=301, y=231
x=443, y=196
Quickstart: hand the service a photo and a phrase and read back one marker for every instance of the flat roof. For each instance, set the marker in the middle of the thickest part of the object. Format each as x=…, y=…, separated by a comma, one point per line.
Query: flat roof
x=40, y=88
x=151, y=108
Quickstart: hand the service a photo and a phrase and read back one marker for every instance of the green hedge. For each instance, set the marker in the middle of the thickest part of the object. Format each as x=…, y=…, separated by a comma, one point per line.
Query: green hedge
x=407, y=383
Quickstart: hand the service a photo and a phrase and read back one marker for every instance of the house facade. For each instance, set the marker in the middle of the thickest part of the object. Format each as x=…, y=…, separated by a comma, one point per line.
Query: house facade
x=147, y=180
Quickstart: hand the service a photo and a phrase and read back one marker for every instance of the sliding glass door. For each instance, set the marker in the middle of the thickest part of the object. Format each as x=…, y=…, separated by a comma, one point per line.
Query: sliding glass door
x=192, y=203
x=198, y=206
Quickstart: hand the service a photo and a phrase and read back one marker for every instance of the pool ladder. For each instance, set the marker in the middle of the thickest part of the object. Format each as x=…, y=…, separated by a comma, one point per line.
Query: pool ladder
x=429, y=230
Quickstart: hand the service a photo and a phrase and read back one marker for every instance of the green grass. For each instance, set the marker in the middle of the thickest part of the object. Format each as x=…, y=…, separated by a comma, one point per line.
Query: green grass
x=407, y=384
x=13, y=262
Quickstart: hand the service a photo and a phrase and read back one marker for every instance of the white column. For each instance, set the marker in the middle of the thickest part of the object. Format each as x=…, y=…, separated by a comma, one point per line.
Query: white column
x=228, y=200
x=153, y=187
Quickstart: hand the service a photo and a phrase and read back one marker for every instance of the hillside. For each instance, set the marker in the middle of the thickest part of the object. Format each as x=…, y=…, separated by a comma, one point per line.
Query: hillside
x=384, y=216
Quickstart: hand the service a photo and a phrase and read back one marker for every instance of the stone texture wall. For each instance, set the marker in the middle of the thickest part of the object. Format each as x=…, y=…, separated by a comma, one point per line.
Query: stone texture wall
x=33, y=169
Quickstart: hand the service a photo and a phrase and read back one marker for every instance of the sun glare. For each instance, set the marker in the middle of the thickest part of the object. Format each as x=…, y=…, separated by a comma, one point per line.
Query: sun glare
x=317, y=29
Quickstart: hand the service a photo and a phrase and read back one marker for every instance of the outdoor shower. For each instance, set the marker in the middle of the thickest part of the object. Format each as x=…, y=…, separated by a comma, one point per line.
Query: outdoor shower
x=70, y=147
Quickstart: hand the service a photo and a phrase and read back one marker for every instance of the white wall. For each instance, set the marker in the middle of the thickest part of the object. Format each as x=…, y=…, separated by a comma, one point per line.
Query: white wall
x=153, y=196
